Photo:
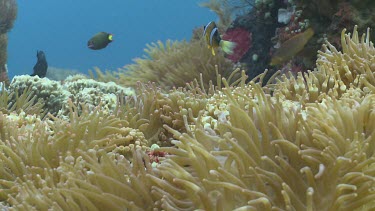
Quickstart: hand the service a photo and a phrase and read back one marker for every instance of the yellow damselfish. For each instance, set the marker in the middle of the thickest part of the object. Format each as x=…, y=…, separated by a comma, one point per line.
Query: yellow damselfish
x=291, y=47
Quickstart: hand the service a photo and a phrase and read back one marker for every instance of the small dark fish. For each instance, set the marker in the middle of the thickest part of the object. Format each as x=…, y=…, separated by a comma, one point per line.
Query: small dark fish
x=100, y=40
x=40, y=68
x=213, y=39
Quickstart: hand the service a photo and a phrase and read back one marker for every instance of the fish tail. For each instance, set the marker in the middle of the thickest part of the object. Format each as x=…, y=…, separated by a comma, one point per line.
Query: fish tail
x=227, y=46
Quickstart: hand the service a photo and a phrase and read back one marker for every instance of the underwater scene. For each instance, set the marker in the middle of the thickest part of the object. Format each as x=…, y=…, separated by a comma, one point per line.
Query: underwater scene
x=202, y=105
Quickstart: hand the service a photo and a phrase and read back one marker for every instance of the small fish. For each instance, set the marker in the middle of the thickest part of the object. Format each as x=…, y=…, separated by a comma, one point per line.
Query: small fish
x=291, y=47
x=213, y=39
x=100, y=40
x=40, y=68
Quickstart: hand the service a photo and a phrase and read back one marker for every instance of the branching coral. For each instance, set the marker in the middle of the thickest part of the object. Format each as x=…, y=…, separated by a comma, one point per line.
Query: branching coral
x=77, y=88
x=92, y=93
x=51, y=92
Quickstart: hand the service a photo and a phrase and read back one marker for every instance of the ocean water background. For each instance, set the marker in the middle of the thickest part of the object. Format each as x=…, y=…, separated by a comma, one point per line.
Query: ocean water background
x=62, y=28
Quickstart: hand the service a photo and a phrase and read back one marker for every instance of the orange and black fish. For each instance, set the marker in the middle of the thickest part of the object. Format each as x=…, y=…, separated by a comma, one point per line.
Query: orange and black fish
x=213, y=39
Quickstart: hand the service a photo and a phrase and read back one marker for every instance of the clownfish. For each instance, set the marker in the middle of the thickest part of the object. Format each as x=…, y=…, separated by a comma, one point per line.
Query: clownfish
x=213, y=39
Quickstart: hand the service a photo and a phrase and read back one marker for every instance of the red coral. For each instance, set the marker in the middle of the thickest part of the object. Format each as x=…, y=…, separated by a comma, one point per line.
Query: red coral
x=242, y=38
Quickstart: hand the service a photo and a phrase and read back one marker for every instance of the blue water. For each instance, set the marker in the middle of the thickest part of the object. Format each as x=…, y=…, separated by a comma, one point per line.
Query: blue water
x=61, y=29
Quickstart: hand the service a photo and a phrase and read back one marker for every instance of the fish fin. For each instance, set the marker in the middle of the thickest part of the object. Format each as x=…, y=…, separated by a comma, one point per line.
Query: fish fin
x=275, y=61
x=227, y=46
x=213, y=51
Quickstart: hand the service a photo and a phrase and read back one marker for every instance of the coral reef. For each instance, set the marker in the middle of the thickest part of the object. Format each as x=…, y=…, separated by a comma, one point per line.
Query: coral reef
x=273, y=24
x=261, y=22
x=305, y=143
x=76, y=88
x=51, y=92
x=91, y=93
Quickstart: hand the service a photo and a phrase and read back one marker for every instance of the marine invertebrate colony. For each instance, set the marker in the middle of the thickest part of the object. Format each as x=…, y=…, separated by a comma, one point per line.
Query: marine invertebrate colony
x=173, y=64
x=242, y=38
x=77, y=88
x=275, y=24
x=245, y=146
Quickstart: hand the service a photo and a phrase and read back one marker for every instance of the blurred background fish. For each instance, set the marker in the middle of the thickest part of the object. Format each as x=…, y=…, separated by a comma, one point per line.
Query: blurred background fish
x=291, y=47
x=213, y=39
x=100, y=40
x=41, y=66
